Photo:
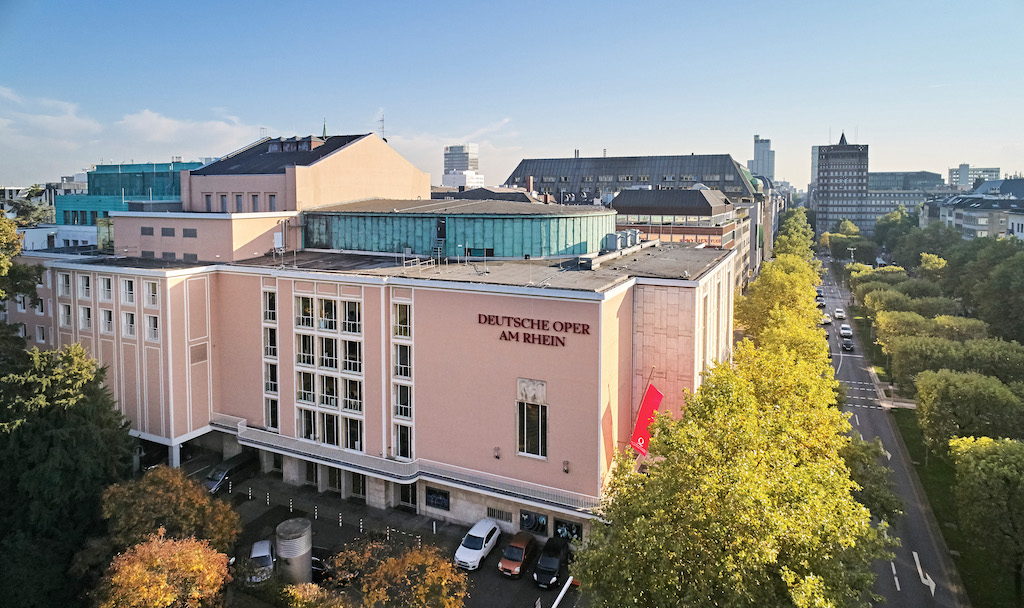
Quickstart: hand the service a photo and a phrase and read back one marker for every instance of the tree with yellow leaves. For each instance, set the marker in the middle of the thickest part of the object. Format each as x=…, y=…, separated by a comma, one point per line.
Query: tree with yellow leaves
x=165, y=573
x=418, y=578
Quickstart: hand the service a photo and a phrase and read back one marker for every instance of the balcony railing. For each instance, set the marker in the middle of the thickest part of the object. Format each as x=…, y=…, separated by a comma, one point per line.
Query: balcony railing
x=403, y=471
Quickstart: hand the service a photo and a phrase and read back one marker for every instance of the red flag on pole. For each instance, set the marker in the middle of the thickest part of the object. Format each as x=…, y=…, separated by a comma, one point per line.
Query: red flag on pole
x=649, y=405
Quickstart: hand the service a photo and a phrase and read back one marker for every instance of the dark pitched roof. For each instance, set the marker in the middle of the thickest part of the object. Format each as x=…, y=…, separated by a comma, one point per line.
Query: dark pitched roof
x=842, y=139
x=671, y=202
x=259, y=160
x=1013, y=187
x=493, y=194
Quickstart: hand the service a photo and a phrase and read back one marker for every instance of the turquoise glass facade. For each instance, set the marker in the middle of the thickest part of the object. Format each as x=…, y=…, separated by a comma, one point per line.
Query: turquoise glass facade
x=512, y=236
x=111, y=185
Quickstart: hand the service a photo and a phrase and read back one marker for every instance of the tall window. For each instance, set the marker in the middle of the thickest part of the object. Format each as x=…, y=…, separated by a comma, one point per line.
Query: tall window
x=152, y=328
x=304, y=349
x=403, y=441
x=353, y=319
x=403, y=321
x=329, y=353
x=209, y=203
x=272, y=202
x=269, y=306
x=270, y=377
x=106, y=321
x=353, y=433
x=65, y=315
x=403, y=401
x=304, y=388
x=84, y=286
x=223, y=203
x=84, y=317
x=271, y=413
x=128, y=291
x=20, y=301
x=329, y=426
x=270, y=342
x=353, y=395
x=304, y=311
x=238, y=203
x=152, y=299
x=353, y=356
x=328, y=315
x=129, y=324
x=106, y=289
x=328, y=391
x=403, y=361
x=533, y=429
x=64, y=284
x=307, y=424
x=256, y=202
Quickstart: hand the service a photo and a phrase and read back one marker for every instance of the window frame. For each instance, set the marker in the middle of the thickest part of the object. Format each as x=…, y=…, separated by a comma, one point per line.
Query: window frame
x=152, y=328
x=128, y=324
x=523, y=443
x=128, y=291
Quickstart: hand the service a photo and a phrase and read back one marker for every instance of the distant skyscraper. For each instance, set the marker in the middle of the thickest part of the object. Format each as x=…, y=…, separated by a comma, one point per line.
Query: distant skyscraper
x=462, y=166
x=964, y=176
x=764, y=158
x=842, y=186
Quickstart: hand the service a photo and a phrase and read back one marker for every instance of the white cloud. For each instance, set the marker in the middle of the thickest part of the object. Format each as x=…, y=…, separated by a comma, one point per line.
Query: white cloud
x=498, y=149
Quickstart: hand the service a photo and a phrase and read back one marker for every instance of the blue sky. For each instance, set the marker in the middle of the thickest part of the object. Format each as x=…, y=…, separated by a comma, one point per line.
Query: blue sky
x=927, y=85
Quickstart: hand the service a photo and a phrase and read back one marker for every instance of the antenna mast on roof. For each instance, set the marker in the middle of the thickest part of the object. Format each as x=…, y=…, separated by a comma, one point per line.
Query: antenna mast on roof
x=263, y=132
x=381, y=121
x=325, y=128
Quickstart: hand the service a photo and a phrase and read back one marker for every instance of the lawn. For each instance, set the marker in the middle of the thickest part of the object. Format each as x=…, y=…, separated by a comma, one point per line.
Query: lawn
x=988, y=585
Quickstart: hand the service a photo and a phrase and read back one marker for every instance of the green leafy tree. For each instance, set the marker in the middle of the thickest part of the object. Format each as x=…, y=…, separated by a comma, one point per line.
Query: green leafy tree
x=417, y=578
x=795, y=235
x=993, y=357
x=886, y=274
x=785, y=283
x=935, y=306
x=845, y=227
x=937, y=239
x=897, y=323
x=972, y=262
x=892, y=226
x=958, y=404
x=912, y=355
x=886, y=299
x=745, y=502
x=932, y=267
x=989, y=491
x=165, y=573
x=29, y=213
x=919, y=288
x=1000, y=298
x=960, y=328
x=876, y=490
x=167, y=498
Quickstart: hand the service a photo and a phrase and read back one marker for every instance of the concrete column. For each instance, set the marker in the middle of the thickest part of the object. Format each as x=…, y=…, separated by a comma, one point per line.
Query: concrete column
x=230, y=446
x=293, y=471
x=174, y=455
x=377, y=493
x=323, y=478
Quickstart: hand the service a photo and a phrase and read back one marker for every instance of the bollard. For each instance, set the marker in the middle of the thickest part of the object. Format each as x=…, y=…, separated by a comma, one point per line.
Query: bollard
x=290, y=508
x=387, y=533
x=315, y=508
x=419, y=541
x=229, y=486
x=433, y=525
x=360, y=525
x=268, y=498
x=339, y=520
x=250, y=492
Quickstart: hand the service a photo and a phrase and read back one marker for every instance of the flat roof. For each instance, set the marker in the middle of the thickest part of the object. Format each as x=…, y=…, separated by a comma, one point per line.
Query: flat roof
x=458, y=207
x=675, y=261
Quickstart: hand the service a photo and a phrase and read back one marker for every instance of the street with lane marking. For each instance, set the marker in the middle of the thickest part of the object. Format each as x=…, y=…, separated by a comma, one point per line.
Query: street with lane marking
x=917, y=576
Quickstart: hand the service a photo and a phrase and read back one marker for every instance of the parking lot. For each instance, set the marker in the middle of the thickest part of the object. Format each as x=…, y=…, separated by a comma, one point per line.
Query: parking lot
x=272, y=501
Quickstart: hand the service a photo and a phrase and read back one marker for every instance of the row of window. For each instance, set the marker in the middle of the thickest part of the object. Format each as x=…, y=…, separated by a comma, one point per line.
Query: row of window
x=40, y=333
x=83, y=218
x=239, y=203
x=106, y=323
x=188, y=233
x=710, y=177
x=106, y=289
x=170, y=256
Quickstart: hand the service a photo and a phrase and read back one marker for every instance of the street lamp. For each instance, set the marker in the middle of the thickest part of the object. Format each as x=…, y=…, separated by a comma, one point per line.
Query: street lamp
x=851, y=250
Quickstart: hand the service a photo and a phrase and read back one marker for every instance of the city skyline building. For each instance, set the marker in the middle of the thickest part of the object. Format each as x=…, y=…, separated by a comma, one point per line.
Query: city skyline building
x=763, y=162
x=841, y=185
x=965, y=176
x=462, y=167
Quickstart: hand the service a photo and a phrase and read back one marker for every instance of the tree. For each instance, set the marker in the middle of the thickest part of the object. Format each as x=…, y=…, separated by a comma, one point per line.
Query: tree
x=932, y=267
x=935, y=306
x=892, y=226
x=876, y=491
x=993, y=357
x=167, y=498
x=886, y=274
x=786, y=282
x=417, y=578
x=960, y=328
x=896, y=323
x=886, y=299
x=919, y=288
x=1000, y=298
x=165, y=573
x=28, y=213
x=356, y=557
x=989, y=491
x=971, y=263
x=310, y=595
x=845, y=227
x=914, y=354
x=937, y=238
x=745, y=500
x=795, y=235
x=957, y=404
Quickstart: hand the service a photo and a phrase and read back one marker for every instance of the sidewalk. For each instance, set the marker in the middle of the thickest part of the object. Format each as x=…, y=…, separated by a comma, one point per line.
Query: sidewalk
x=335, y=520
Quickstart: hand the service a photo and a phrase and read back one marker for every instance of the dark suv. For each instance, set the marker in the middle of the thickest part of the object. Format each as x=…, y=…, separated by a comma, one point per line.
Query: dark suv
x=549, y=564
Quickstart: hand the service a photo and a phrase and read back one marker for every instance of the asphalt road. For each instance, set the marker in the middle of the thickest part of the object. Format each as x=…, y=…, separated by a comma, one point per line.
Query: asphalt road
x=919, y=560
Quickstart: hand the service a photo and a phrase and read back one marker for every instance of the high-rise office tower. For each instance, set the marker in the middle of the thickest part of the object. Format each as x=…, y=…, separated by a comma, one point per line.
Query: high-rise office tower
x=842, y=186
x=462, y=166
x=964, y=176
x=764, y=158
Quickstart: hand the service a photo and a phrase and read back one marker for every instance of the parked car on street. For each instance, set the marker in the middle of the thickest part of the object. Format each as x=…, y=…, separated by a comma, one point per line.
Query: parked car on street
x=840, y=313
x=517, y=554
x=549, y=564
x=847, y=344
x=826, y=320
x=477, y=544
x=234, y=469
x=845, y=331
x=262, y=558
